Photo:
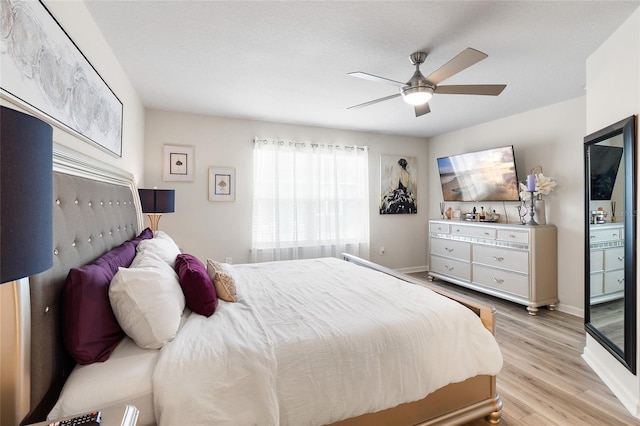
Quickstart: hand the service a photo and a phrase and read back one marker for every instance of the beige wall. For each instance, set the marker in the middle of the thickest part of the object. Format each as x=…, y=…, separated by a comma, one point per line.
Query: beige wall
x=550, y=137
x=613, y=93
x=223, y=229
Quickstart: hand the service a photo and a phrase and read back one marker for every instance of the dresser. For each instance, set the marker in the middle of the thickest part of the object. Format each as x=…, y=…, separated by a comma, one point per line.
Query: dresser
x=606, y=244
x=510, y=261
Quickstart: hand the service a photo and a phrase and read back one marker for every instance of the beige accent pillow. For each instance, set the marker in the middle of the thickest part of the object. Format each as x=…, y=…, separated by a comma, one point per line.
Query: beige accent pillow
x=220, y=274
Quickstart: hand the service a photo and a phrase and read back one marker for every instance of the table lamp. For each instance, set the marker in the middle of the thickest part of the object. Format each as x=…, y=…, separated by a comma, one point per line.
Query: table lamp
x=155, y=202
x=26, y=195
x=26, y=243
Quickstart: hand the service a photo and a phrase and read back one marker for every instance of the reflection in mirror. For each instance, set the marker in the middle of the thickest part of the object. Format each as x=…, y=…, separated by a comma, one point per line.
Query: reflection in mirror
x=607, y=238
x=610, y=231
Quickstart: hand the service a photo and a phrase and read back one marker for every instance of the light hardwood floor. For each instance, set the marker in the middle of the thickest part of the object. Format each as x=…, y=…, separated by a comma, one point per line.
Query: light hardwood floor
x=544, y=380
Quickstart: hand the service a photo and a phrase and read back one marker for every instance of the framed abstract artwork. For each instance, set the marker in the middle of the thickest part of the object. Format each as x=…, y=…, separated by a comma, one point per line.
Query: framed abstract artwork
x=178, y=163
x=45, y=72
x=222, y=184
x=398, y=189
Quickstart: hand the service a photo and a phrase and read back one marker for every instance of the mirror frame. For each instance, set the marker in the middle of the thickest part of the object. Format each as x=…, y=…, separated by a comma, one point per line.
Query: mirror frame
x=626, y=127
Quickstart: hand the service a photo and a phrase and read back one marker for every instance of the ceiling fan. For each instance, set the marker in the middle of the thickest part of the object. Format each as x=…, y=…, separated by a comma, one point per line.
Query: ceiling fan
x=419, y=89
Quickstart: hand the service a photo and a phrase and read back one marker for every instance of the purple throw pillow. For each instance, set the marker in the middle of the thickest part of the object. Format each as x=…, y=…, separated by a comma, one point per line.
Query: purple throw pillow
x=90, y=329
x=199, y=292
x=147, y=234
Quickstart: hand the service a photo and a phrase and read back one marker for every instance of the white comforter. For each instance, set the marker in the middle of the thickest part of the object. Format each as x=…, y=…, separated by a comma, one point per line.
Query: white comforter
x=312, y=342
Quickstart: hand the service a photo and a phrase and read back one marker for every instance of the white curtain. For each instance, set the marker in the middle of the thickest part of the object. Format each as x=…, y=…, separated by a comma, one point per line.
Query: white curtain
x=309, y=200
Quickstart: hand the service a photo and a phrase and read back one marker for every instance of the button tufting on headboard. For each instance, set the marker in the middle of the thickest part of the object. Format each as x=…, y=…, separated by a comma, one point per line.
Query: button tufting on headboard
x=84, y=229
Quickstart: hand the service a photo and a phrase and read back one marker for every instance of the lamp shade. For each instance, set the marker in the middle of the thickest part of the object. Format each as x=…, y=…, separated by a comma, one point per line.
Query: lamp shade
x=26, y=195
x=157, y=200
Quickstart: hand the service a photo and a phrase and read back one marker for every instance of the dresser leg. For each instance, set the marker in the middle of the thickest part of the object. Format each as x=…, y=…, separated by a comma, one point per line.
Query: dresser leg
x=552, y=307
x=430, y=278
x=532, y=310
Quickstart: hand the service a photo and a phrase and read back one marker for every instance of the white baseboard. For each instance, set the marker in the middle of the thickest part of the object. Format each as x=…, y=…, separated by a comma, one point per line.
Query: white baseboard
x=607, y=374
x=413, y=269
x=571, y=310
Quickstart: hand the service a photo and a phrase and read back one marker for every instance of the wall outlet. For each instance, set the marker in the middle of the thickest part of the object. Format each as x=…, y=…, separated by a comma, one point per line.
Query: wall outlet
x=381, y=249
x=228, y=260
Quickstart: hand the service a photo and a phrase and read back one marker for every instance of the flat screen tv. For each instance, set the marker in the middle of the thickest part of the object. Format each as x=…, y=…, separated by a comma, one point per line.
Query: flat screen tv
x=604, y=164
x=488, y=175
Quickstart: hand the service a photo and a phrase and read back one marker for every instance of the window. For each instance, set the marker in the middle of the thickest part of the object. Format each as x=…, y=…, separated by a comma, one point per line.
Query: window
x=309, y=200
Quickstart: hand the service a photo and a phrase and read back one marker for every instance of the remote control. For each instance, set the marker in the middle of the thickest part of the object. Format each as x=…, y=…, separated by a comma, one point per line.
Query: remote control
x=89, y=419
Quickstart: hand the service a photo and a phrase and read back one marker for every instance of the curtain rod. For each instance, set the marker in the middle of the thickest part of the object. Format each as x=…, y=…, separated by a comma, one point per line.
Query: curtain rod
x=312, y=144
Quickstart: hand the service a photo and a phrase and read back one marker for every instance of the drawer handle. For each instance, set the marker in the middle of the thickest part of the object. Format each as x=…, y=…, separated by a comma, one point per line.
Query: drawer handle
x=448, y=249
x=498, y=280
x=498, y=258
x=449, y=268
x=512, y=236
x=620, y=258
x=592, y=237
x=487, y=234
x=620, y=281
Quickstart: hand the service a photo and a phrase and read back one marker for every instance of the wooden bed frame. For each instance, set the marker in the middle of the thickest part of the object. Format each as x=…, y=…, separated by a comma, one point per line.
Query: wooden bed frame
x=96, y=208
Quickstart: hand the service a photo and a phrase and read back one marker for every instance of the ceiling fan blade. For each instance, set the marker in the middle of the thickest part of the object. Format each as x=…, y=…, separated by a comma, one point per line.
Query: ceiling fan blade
x=471, y=89
x=375, y=101
x=422, y=109
x=376, y=79
x=464, y=60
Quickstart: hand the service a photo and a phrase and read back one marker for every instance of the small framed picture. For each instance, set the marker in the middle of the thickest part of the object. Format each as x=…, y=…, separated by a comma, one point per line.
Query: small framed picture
x=178, y=163
x=456, y=215
x=222, y=184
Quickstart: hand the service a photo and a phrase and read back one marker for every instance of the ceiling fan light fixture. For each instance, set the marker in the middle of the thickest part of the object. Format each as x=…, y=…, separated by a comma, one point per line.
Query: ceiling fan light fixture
x=417, y=95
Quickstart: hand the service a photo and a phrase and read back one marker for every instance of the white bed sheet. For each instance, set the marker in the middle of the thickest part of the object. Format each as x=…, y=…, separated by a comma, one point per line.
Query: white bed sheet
x=125, y=378
x=315, y=341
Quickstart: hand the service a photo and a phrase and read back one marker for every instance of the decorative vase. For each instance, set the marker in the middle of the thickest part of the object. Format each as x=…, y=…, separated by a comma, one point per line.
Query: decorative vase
x=539, y=212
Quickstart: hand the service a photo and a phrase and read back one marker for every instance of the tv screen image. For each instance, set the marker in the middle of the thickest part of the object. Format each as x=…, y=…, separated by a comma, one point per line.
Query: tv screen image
x=488, y=175
x=605, y=162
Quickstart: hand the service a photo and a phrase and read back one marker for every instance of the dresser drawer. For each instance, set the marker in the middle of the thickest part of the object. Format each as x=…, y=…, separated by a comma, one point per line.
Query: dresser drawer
x=601, y=235
x=614, y=259
x=613, y=281
x=502, y=280
x=514, y=260
x=513, y=236
x=597, y=284
x=473, y=231
x=597, y=260
x=450, y=248
x=441, y=228
x=451, y=267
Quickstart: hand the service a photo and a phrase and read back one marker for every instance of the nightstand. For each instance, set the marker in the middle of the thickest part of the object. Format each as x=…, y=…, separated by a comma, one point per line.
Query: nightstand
x=116, y=415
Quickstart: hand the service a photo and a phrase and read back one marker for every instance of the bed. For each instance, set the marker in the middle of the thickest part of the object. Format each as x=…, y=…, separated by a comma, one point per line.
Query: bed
x=97, y=210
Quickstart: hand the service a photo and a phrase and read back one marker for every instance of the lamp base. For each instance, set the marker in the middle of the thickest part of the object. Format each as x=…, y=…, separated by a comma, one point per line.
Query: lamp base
x=154, y=219
x=15, y=346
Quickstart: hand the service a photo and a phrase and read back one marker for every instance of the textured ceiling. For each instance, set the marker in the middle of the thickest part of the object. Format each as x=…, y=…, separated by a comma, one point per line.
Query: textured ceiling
x=288, y=61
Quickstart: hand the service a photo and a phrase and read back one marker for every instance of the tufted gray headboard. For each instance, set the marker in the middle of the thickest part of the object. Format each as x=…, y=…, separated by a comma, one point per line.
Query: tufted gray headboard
x=96, y=208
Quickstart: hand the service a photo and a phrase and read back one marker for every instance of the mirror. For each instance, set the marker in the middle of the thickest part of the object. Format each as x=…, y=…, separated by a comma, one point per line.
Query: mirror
x=610, y=206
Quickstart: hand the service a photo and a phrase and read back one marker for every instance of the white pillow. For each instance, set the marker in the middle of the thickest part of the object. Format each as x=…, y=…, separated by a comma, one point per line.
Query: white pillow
x=147, y=301
x=161, y=245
